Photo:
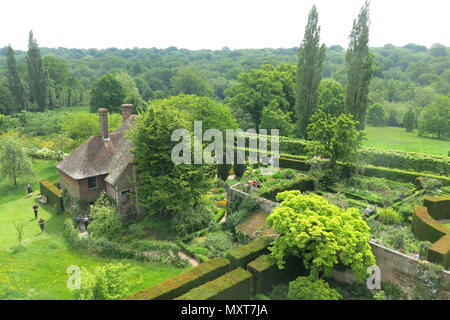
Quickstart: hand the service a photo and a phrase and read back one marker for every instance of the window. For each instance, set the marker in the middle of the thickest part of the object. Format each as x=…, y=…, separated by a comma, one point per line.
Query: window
x=125, y=191
x=92, y=183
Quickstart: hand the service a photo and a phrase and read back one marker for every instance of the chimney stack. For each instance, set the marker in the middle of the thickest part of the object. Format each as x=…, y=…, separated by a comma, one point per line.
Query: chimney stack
x=127, y=110
x=103, y=115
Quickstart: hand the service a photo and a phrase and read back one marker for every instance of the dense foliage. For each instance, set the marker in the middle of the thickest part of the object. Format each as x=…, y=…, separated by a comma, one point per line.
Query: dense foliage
x=311, y=288
x=322, y=233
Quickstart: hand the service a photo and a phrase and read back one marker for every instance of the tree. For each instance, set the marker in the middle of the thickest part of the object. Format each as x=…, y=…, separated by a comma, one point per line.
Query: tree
x=359, y=63
x=15, y=84
x=333, y=137
x=331, y=97
x=323, y=234
x=20, y=230
x=165, y=188
x=81, y=125
x=108, y=282
x=37, y=75
x=190, y=81
x=106, y=220
x=409, y=120
x=14, y=162
x=309, y=73
x=132, y=95
x=256, y=89
x=223, y=171
x=7, y=103
x=377, y=115
x=272, y=117
x=107, y=92
x=311, y=288
x=435, y=120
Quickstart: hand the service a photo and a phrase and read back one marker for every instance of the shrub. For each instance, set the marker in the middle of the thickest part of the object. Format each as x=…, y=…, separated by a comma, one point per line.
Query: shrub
x=223, y=171
x=234, y=285
x=106, y=220
x=377, y=116
x=105, y=283
x=137, y=230
x=311, y=288
x=239, y=170
x=182, y=283
x=53, y=194
x=389, y=216
x=300, y=183
x=192, y=220
x=219, y=243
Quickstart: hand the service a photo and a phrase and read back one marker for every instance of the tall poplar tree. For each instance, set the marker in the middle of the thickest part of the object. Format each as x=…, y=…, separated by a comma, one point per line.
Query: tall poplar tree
x=15, y=85
x=359, y=67
x=37, y=75
x=309, y=73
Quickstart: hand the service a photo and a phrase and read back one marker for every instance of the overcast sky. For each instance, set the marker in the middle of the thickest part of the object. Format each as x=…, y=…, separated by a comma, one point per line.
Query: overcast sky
x=213, y=24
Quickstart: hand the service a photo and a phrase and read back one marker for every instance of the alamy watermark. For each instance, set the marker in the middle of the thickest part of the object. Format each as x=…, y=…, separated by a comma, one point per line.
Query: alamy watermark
x=229, y=149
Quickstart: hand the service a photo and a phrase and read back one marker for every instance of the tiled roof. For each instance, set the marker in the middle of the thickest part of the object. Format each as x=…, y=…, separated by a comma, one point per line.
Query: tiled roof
x=97, y=157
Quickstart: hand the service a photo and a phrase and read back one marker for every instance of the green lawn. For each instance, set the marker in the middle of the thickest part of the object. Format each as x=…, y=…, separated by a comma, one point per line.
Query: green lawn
x=447, y=224
x=399, y=139
x=37, y=270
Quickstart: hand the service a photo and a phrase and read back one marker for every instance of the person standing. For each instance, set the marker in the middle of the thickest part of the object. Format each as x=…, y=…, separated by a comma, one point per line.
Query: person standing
x=30, y=190
x=35, y=209
x=42, y=224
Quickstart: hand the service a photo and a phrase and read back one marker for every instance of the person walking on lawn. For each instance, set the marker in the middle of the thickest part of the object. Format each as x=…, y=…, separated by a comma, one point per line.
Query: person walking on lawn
x=42, y=224
x=35, y=209
x=30, y=191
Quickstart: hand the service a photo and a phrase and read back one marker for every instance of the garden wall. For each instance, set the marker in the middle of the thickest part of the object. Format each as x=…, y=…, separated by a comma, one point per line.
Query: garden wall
x=395, y=267
x=400, y=269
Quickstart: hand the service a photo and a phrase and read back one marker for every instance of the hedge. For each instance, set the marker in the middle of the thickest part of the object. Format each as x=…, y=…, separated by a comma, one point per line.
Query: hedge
x=439, y=252
x=234, y=285
x=438, y=207
x=421, y=162
x=53, y=194
x=424, y=227
x=189, y=252
x=182, y=283
x=243, y=254
x=266, y=273
x=298, y=183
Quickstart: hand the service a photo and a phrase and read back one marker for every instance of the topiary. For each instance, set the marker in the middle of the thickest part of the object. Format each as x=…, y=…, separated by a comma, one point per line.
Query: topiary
x=223, y=171
x=239, y=170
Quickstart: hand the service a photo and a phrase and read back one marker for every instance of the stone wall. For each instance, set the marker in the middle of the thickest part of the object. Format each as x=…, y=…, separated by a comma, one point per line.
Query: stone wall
x=395, y=266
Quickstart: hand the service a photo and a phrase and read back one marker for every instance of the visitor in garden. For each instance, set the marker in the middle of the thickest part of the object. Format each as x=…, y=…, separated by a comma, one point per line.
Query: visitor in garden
x=86, y=222
x=42, y=224
x=30, y=190
x=78, y=221
x=35, y=209
x=368, y=211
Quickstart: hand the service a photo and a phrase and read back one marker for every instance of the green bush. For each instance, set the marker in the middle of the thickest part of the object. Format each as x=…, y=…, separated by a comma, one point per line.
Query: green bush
x=299, y=183
x=234, y=285
x=377, y=115
x=243, y=254
x=218, y=243
x=389, y=216
x=311, y=288
x=182, y=283
x=53, y=194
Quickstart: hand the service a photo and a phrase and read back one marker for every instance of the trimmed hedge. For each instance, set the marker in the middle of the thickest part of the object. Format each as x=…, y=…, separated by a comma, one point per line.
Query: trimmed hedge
x=421, y=162
x=438, y=207
x=424, y=227
x=234, y=285
x=53, y=194
x=242, y=255
x=189, y=252
x=266, y=273
x=182, y=283
x=298, y=183
x=439, y=252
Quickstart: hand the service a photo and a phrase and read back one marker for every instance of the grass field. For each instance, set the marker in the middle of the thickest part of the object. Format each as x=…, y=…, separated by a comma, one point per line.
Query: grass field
x=37, y=269
x=399, y=139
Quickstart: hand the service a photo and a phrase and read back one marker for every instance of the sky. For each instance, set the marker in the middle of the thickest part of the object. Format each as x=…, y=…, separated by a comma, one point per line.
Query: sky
x=214, y=24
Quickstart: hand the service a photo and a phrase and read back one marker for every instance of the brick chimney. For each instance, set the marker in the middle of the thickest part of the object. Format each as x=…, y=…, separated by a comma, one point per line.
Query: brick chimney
x=103, y=115
x=127, y=110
